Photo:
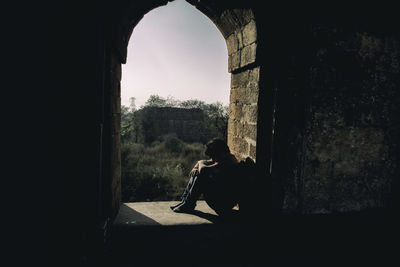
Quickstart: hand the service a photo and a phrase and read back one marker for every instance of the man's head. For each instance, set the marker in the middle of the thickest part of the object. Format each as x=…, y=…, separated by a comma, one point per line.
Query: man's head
x=216, y=149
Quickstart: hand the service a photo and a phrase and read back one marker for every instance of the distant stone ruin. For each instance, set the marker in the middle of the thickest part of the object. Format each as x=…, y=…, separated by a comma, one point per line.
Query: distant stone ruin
x=188, y=125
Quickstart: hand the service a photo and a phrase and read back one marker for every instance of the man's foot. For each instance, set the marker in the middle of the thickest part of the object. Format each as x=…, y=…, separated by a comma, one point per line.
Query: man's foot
x=183, y=208
x=177, y=205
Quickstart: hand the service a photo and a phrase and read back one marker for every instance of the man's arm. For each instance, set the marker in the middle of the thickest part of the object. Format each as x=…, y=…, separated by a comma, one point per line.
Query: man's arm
x=206, y=164
x=202, y=164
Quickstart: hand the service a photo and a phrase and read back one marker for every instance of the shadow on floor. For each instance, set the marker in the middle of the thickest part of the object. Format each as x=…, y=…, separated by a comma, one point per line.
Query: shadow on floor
x=128, y=217
x=314, y=240
x=217, y=219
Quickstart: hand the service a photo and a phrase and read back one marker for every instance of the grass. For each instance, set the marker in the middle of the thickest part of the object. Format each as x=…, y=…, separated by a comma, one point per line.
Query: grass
x=158, y=171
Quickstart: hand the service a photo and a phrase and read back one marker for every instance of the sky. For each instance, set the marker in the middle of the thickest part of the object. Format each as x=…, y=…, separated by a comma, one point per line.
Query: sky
x=177, y=51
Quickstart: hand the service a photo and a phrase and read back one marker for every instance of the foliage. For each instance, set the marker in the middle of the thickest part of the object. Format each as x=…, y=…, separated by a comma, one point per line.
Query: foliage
x=213, y=110
x=127, y=118
x=158, y=101
x=159, y=171
x=136, y=123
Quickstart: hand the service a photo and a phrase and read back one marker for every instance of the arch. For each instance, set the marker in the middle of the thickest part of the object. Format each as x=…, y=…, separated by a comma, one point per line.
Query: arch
x=239, y=29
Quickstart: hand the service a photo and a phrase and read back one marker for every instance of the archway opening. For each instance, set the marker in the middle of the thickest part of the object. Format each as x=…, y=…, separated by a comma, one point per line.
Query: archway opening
x=174, y=97
x=246, y=129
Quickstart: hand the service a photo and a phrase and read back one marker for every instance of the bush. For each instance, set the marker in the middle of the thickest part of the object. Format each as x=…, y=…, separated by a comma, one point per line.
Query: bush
x=173, y=144
x=158, y=171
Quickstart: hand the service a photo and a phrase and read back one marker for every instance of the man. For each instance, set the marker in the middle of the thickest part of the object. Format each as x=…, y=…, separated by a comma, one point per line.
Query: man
x=214, y=178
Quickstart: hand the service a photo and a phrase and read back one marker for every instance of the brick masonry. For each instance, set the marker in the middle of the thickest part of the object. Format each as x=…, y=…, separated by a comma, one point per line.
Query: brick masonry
x=242, y=124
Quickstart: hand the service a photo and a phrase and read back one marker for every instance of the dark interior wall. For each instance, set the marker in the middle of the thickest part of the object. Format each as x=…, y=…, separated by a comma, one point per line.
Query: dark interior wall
x=77, y=114
x=349, y=150
x=337, y=84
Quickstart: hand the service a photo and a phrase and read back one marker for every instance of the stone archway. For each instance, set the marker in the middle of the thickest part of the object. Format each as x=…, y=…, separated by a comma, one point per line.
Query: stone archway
x=239, y=29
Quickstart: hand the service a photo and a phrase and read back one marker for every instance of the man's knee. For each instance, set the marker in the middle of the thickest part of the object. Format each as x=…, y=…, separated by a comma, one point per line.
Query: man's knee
x=208, y=172
x=204, y=172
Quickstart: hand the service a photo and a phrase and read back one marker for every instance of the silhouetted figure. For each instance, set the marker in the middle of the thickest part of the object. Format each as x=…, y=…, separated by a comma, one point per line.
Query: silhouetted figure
x=214, y=178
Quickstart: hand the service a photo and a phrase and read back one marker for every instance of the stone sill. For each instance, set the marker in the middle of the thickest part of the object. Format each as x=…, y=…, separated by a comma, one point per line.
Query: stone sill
x=158, y=213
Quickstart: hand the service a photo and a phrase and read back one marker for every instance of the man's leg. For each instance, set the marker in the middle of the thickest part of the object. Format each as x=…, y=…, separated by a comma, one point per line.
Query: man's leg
x=220, y=196
x=191, y=194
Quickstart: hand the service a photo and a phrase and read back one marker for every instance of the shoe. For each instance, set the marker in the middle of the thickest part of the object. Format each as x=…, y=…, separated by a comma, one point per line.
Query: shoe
x=177, y=205
x=183, y=208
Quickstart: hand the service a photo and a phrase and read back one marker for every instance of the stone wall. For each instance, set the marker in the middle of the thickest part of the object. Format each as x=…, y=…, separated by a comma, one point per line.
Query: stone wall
x=241, y=42
x=242, y=125
x=113, y=117
x=350, y=141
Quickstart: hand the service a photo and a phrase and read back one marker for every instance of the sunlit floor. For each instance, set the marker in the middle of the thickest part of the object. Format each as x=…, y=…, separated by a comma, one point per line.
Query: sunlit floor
x=160, y=213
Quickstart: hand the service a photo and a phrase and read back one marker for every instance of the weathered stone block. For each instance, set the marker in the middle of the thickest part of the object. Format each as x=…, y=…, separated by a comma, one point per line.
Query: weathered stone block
x=239, y=38
x=233, y=98
x=236, y=111
x=234, y=42
x=240, y=79
x=253, y=152
x=251, y=95
x=238, y=145
x=230, y=127
x=244, y=16
x=238, y=95
x=254, y=76
x=250, y=113
x=248, y=55
x=234, y=61
x=242, y=96
x=235, y=128
x=249, y=33
x=227, y=23
x=250, y=131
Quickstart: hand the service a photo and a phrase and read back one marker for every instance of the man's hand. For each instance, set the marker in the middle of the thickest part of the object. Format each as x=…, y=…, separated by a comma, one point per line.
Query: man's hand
x=202, y=165
x=206, y=164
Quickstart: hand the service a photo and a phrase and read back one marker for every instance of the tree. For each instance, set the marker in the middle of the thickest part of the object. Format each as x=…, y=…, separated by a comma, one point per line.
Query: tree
x=158, y=101
x=193, y=103
x=155, y=101
x=127, y=118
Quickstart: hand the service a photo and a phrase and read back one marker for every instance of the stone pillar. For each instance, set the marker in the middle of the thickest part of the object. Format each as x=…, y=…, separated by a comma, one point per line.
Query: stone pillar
x=238, y=26
x=114, y=117
x=243, y=113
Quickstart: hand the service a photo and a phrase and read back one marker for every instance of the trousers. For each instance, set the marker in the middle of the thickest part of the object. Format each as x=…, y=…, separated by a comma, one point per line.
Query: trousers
x=216, y=189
